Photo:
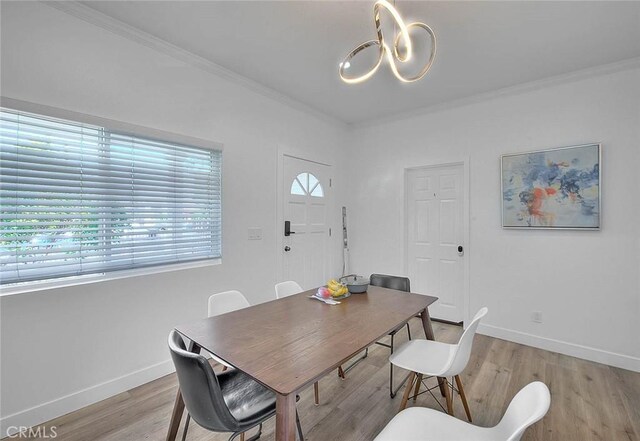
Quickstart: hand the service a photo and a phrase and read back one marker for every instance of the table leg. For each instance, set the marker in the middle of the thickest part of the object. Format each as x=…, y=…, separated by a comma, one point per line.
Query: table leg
x=286, y=417
x=178, y=406
x=428, y=332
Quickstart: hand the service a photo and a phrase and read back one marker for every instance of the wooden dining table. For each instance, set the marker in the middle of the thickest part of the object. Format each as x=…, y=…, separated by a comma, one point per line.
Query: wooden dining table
x=290, y=343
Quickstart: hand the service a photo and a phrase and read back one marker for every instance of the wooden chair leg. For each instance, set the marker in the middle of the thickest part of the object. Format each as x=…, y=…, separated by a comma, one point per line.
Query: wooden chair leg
x=418, y=383
x=186, y=427
x=407, y=390
x=242, y=436
x=391, y=393
x=299, y=426
x=316, y=393
x=340, y=372
x=463, y=397
x=224, y=367
x=447, y=395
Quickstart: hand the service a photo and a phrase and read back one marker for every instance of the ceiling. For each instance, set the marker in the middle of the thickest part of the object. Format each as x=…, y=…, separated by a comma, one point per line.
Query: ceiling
x=294, y=47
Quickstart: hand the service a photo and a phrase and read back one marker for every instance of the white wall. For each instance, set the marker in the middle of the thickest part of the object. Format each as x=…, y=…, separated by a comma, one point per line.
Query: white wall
x=585, y=283
x=63, y=348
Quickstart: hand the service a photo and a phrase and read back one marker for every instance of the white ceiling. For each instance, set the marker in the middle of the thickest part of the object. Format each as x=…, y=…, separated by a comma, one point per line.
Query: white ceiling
x=294, y=47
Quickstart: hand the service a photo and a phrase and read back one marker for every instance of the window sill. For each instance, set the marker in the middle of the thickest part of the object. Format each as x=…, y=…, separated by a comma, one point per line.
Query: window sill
x=28, y=287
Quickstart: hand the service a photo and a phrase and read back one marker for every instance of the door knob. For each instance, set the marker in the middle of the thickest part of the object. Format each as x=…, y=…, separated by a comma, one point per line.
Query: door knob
x=287, y=248
x=460, y=250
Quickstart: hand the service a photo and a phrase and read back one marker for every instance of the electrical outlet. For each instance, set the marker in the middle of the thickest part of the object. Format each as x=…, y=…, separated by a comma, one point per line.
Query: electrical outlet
x=536, y=317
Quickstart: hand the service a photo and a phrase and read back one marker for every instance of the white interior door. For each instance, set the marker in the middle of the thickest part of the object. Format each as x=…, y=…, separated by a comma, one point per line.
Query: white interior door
x=305, y=254
x=435, y=231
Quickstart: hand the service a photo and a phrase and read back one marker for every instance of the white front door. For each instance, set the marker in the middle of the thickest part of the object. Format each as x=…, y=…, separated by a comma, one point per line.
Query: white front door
x=305, y=253
x=435, y=231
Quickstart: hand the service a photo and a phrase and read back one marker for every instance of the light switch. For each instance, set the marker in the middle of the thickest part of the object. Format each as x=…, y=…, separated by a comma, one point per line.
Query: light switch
x=255, y=233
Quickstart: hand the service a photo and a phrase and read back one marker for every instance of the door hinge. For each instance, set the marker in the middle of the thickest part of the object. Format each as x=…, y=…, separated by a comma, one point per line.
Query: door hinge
x=329, y=232
x=330, y=182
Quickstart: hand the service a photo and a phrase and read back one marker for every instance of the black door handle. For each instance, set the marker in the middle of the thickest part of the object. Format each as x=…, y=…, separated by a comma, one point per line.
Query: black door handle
x=287, y=248
x=287, y=229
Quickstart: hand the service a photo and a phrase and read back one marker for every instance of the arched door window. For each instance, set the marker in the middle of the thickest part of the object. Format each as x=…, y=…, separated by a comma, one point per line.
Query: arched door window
x=307, y=184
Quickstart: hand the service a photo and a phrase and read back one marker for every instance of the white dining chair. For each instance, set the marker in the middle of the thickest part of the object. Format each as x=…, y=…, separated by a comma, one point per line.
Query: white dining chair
x=222, y=303
x=424, y=424
x=286, y=289
x=426, y=358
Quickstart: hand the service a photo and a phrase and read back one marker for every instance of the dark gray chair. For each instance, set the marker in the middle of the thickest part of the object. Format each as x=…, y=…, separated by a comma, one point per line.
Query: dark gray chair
x=401, y=284
x=230, y=401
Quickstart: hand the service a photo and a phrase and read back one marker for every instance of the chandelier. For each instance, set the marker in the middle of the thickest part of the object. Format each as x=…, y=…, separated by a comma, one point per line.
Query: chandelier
x=402, y=51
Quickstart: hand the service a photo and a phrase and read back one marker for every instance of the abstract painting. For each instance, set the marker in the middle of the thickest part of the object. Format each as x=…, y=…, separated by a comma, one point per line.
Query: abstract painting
x=557, y=188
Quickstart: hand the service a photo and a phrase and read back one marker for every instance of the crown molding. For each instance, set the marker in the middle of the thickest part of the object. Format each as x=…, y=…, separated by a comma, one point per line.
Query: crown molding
x=596, y=71
x=136, y=35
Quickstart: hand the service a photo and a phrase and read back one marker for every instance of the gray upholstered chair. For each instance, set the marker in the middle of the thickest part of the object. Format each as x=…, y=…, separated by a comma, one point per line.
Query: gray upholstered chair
x=401, y=284
x=230, y=401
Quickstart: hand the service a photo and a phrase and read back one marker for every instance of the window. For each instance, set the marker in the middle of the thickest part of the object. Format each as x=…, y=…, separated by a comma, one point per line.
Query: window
x=81, y=199
x=306, y=183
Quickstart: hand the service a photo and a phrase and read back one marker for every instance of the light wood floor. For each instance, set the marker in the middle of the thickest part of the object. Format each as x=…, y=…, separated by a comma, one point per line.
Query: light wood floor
x=589, y=401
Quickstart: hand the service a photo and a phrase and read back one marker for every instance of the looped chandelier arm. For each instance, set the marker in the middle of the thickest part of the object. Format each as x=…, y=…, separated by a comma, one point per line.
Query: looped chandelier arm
x=353, y=53
x=426, y=67
x=394, y=55
x=404, y=32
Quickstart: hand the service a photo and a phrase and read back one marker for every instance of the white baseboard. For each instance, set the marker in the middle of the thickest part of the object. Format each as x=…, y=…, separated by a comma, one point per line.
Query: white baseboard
x=77, y=400
x=579, y=351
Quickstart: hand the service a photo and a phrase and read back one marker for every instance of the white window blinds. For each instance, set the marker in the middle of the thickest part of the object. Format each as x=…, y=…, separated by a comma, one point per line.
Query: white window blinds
x=78, y=199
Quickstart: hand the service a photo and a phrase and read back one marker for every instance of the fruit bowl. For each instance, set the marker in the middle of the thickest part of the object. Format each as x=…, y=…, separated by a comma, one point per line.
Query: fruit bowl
x=344, y=296
x=333, y=290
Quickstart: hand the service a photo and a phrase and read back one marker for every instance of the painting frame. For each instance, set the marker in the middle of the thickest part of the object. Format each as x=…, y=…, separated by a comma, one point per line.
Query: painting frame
x=597, y=217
